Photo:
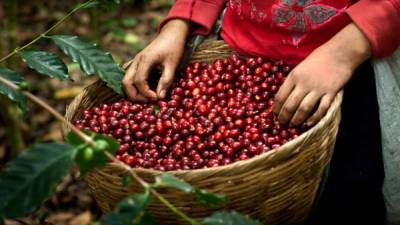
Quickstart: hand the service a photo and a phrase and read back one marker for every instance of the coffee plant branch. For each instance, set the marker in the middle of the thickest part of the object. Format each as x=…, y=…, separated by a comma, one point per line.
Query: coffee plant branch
x=18, y=49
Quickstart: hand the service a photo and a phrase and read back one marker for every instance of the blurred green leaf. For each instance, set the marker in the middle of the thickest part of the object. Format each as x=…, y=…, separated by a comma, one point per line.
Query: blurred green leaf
x=88, y=157
x=111, y=24
x=229, y=218
x=11, y=75
x=131, y=210
x=92, y=60
x=118, y=34
x=41, y=215
x=129, y=22
x=30, y=179
x=126, y=180
x=129, y=38
x=169, y=180
x=109, y=5
x=210, y=199
x=156, y=109
x=73, y=67
x=46, y=63
x=138, y=46
x=13, y=95
x=155, y=22
x=206, y=198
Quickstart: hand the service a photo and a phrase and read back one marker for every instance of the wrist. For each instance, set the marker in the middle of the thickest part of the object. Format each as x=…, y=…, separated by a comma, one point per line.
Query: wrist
x=176, y=28
x=349, y=47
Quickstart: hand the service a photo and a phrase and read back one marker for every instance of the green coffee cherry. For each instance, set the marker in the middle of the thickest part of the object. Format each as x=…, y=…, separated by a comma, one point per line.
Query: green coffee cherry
x=24, y=85
x=101, y=145
x=88, y=154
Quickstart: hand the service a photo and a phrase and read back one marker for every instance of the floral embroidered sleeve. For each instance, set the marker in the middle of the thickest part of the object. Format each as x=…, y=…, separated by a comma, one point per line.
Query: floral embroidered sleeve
x=203, y=13
x=380, y=22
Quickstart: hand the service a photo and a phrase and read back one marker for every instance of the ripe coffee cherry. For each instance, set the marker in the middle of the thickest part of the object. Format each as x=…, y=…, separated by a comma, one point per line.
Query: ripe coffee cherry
x=203, y=109
x=130, y=160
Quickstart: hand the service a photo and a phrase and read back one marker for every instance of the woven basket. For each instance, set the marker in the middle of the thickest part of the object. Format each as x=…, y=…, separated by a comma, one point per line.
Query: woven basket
x=277, y=187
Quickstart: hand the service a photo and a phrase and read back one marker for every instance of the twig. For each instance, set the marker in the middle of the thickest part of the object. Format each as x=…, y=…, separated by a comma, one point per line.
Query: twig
x=18, y=49
x=51, y=110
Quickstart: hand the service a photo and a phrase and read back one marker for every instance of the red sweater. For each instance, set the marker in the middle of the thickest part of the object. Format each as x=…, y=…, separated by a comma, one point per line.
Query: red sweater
x=292, y=29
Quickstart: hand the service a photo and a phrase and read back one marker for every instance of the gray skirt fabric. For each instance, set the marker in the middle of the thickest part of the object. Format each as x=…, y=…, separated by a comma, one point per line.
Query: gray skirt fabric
x=387, y=75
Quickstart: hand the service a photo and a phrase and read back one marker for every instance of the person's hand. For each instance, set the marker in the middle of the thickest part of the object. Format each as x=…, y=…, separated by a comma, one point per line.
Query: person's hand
x=164, y=52
x=317, y=79
x=313, y=84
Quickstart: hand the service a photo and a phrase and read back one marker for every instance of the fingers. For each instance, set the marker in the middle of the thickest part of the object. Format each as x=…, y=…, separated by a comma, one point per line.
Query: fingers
x=291, y=104
x=166, y=79
x=128, y=82
x=282, y=95
x=305, y=108
x=324, y=105
x=144, y=66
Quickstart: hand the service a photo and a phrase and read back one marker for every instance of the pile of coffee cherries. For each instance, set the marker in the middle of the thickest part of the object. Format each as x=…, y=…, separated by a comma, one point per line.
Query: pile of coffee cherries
x=215, y=114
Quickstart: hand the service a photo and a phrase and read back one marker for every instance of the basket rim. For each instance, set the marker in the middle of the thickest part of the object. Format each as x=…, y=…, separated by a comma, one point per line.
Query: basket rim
x=284, y=151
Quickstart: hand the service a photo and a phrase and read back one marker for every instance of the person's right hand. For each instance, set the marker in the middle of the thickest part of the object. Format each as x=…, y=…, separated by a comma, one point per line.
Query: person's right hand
x=164, y=52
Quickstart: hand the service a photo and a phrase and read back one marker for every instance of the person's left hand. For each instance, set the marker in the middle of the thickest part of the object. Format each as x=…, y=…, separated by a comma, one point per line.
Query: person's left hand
x=313, y=84
x=316, y=80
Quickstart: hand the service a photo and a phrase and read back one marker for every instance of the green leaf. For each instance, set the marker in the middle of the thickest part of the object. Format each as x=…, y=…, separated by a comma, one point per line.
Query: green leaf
x=92, y=60
x=156, y=109
x=46, y=63
x=206, y=198
x=147, y=219
x=126, y=180
x=29, y=180
x=210, y=199
x=229, y=218
x=169, y=180
x=41, y=216
x=108, y=5
x=13, y=95
x=129, y=22
x=88, y=157
x=11, y=75
x=131, y=210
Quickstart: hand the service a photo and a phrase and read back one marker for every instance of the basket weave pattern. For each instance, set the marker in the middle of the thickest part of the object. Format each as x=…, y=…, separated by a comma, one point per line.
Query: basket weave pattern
x=277, y=187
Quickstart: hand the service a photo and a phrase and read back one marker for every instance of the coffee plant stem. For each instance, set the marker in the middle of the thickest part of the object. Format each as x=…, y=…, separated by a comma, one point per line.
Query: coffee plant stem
x=89, y=140
x=154, y=192
x=50, y=109
x=18, y=49
x=174, y=209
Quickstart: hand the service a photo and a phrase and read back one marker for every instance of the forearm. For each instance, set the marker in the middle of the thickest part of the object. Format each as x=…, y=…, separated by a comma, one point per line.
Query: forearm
x=349, y=47
x=178, y=29
x=202, y=13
